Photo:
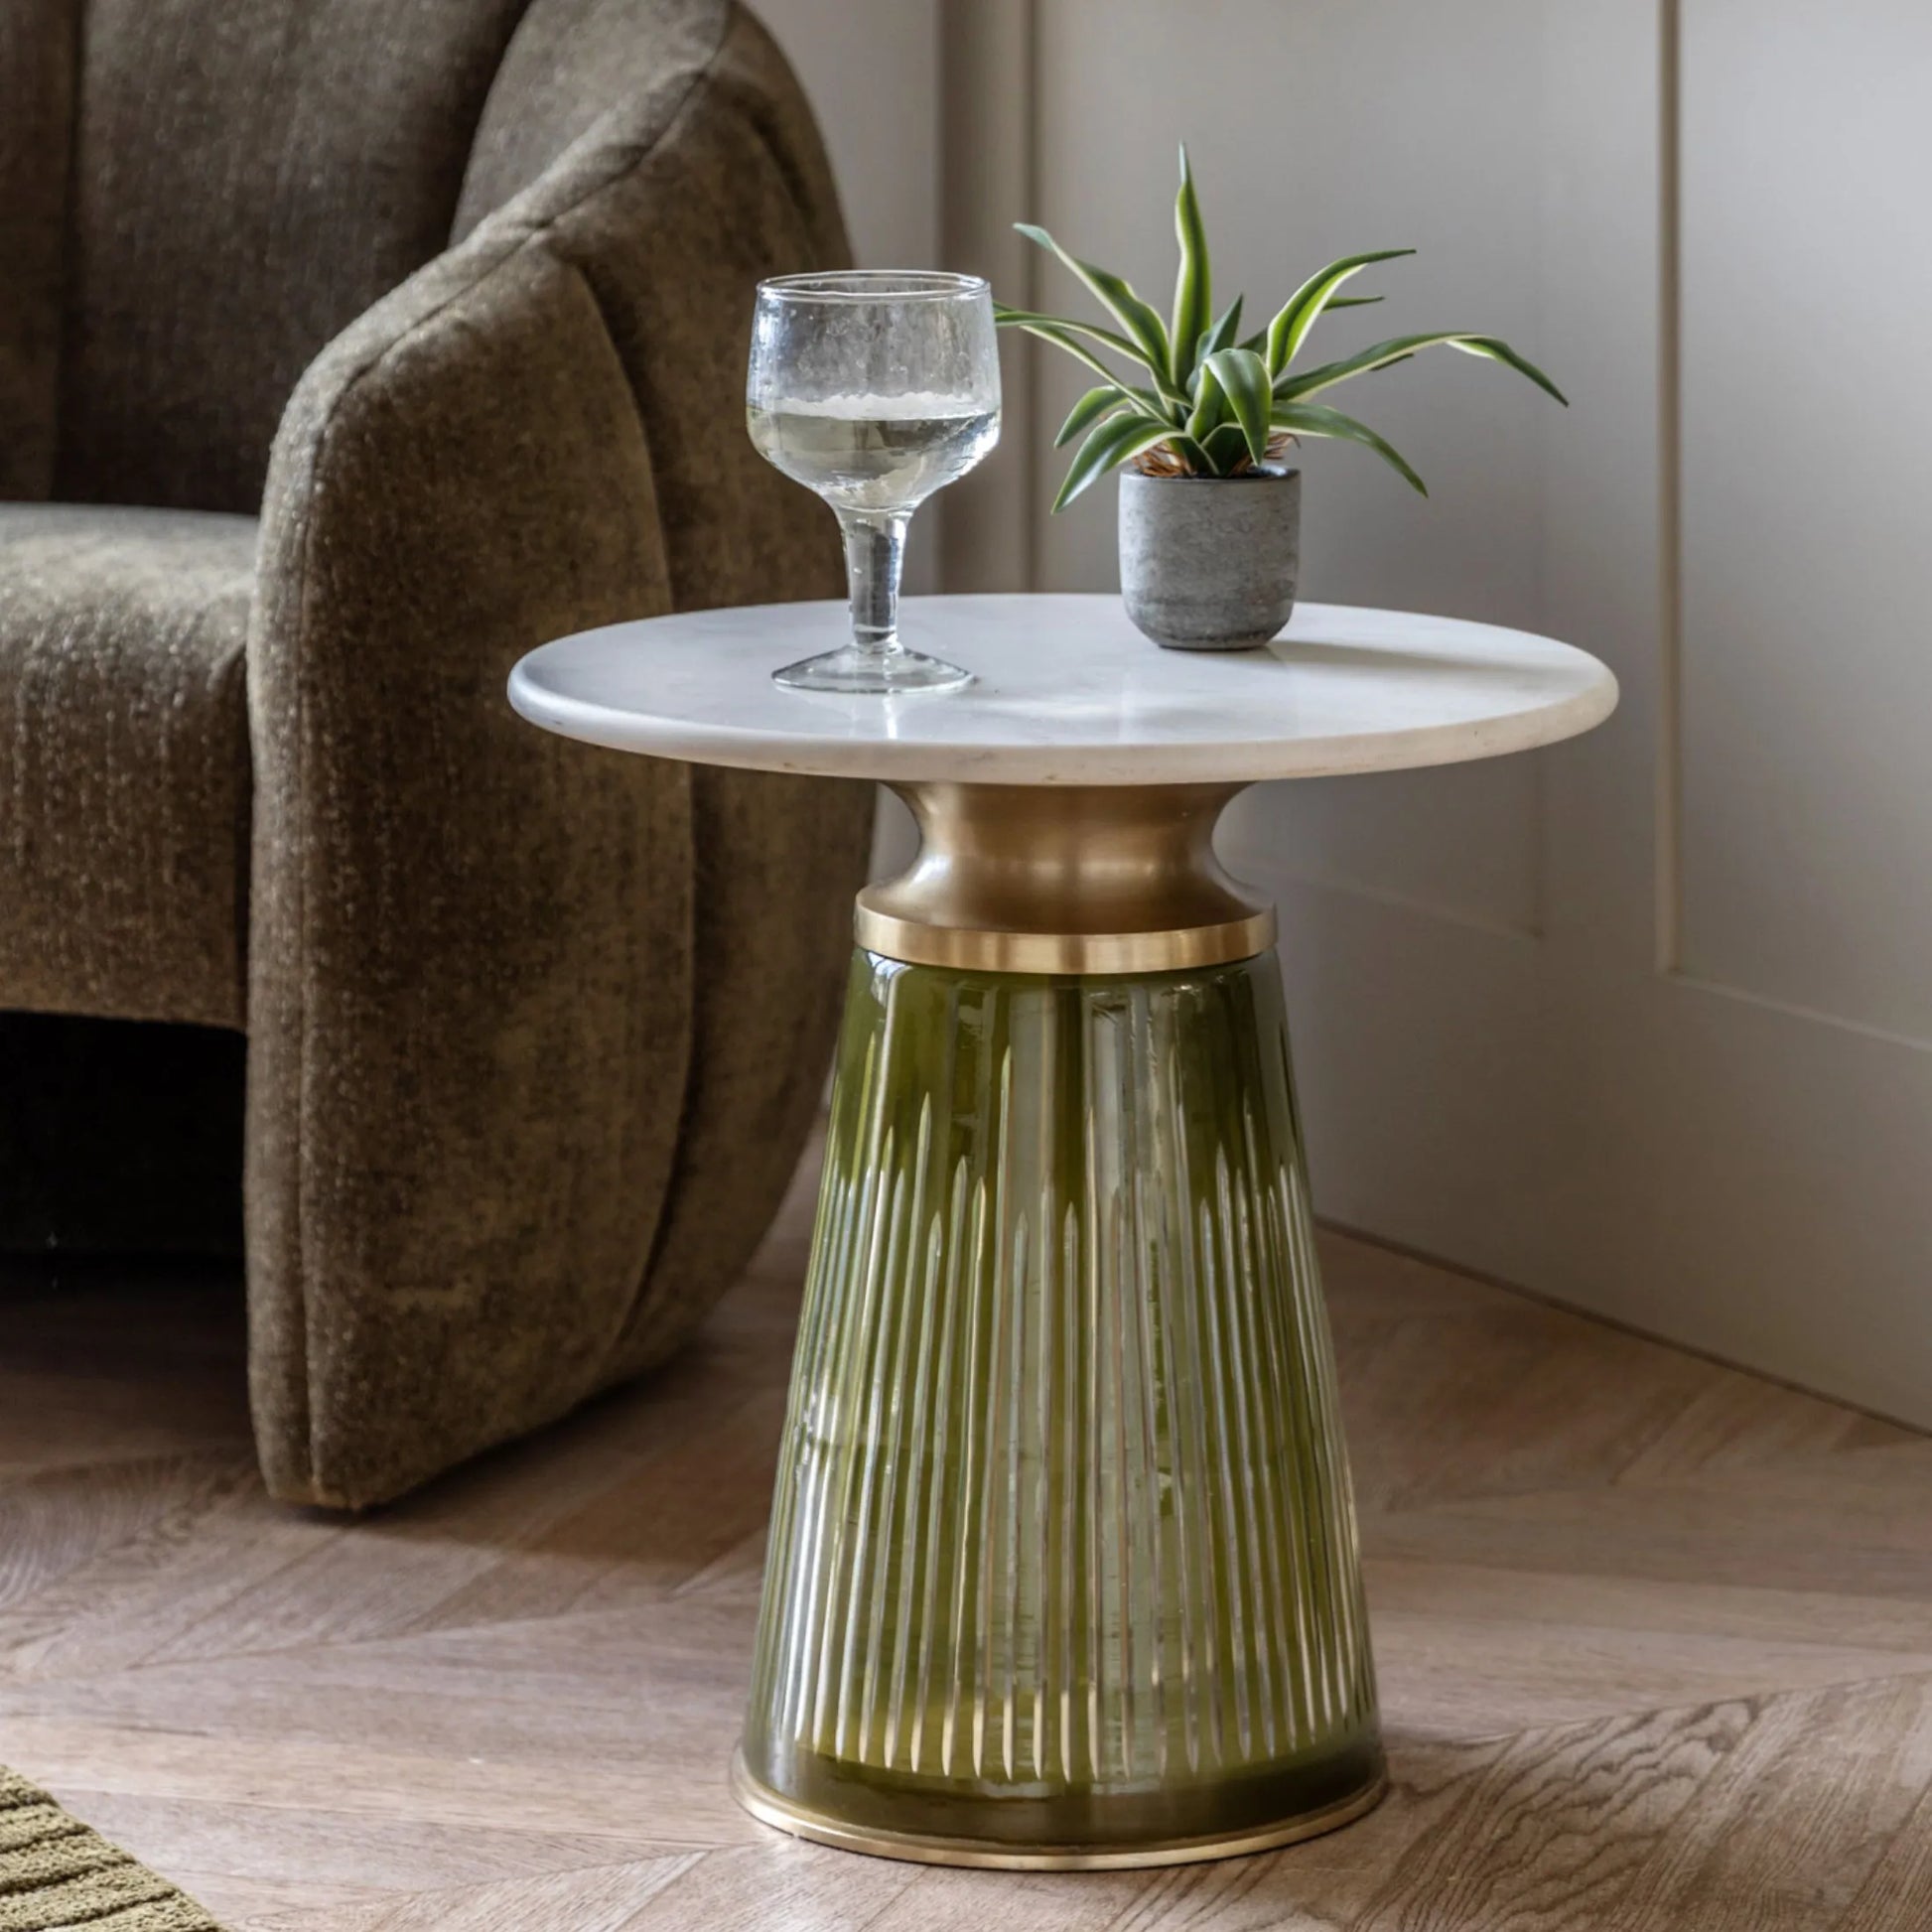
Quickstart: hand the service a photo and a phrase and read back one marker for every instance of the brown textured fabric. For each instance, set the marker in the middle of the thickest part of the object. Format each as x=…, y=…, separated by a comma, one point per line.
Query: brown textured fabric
x=38, y=46
x=248, y=175
x=571, y=65
x=739, y=189
x=534, y=1031
x=471, y=979
x=553, y=368
x=126, y=768
x=58, y=1876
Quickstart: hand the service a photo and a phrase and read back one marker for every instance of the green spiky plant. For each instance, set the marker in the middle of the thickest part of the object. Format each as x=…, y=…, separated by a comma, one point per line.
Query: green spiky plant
x=1217, y=403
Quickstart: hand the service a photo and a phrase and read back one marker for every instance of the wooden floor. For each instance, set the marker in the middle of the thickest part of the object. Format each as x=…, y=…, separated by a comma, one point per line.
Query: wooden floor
x=1655, y=1643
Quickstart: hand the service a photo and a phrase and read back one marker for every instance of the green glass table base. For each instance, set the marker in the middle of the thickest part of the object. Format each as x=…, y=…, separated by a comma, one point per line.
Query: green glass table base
x=1064, y=1565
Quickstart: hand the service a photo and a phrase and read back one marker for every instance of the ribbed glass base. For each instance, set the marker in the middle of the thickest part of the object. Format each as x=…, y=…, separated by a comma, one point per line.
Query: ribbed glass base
x=1063, y=1559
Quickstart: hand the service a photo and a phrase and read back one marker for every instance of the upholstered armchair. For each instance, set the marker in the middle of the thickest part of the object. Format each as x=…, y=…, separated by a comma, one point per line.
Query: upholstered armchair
x=348, y=349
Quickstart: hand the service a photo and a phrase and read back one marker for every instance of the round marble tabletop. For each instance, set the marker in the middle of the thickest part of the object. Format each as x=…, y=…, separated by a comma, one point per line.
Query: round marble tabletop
x=1068, y=692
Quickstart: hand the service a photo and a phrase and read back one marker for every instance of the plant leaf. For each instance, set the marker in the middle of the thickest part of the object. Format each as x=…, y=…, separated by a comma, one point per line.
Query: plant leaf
x=1006, y=318
x=1317, y=419
x=1493, y=349
x=1062, y=338
x=1302, y=310
x=1243, y=377
x=1378, y=356
x=1210, y=405
x=1226, y=448
x=1193, y=287
x=1102, y=402
x=1146, y=328
x=1259, y=339
x=1397, y=348
x=1190, y=452
x=1221, y=335
x=1116, y=441
x=1090, y=409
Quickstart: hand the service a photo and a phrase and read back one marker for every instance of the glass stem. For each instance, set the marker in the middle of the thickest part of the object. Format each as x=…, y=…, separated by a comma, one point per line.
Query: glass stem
x=875, y=550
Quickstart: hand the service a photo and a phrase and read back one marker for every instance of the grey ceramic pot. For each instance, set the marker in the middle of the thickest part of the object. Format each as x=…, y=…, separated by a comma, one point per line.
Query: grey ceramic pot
x=1208, y=563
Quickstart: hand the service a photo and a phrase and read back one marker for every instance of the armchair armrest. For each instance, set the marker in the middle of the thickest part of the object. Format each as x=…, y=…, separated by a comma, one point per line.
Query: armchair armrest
x=493, y=1106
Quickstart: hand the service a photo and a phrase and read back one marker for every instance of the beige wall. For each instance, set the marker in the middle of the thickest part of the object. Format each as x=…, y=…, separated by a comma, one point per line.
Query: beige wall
x=871, y=69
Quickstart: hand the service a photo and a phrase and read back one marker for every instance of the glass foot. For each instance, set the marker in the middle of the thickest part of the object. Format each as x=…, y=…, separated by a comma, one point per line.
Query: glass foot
x=873, y=673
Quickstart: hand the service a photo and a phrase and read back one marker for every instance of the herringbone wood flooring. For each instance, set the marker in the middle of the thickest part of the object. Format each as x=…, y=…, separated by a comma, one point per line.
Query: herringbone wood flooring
x=1655, y=1642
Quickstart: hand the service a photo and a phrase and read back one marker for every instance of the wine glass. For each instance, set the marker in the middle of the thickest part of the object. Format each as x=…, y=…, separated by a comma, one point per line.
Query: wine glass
x=873, y=388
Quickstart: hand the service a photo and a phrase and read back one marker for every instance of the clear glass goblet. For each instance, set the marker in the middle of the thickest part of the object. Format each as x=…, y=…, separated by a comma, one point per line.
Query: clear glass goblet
x=873, y=388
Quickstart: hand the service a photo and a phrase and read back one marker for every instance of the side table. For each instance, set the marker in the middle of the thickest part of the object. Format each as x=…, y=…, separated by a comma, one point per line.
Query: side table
x=1063, y=1567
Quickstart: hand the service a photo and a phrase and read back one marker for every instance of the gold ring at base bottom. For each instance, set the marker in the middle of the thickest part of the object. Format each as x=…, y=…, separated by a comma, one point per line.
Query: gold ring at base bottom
x=770, y=1809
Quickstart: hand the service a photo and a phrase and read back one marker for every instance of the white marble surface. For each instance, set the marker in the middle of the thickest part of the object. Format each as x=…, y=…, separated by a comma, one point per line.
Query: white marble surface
x=1068, y=692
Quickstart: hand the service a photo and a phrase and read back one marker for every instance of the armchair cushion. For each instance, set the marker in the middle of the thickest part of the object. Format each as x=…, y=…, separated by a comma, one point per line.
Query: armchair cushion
x=247, y=176
x=123, y=760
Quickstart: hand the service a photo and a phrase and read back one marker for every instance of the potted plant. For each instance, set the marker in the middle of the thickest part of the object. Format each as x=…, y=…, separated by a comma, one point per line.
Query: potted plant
x=1198, y=426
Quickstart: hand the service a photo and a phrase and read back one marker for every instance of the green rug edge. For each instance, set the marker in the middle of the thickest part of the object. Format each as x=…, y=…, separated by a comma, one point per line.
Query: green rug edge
x=56, y=1874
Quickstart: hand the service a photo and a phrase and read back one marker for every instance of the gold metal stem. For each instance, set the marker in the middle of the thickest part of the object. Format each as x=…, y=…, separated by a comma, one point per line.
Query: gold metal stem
x=1065, y=879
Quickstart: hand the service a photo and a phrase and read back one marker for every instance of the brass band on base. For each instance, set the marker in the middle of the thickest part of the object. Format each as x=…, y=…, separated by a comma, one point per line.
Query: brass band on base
x=1065, y=879
x=822, y=1829
x=971, y=949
